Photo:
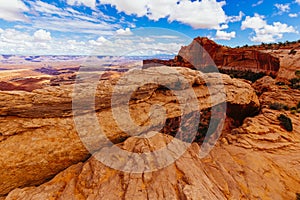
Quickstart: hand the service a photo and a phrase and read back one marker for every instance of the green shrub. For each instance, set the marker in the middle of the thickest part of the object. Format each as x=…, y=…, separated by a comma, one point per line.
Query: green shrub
x=298, y=110
x=277, y=106
x=286, y=122
x=292, y=52
x=297, y=73
x=293, y=108
x=293, y=112
x=247, y=74
x=285, y=107
x=295, y=83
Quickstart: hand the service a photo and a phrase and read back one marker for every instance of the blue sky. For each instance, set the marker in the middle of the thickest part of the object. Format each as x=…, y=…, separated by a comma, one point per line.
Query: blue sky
x=119, y=27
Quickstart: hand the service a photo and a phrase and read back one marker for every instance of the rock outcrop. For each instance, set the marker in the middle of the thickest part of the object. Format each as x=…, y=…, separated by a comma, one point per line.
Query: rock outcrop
x=289, y=63
x=203, y=53
x=39, y=136
x=259, y=160
x=184, y=179
x=270, y=93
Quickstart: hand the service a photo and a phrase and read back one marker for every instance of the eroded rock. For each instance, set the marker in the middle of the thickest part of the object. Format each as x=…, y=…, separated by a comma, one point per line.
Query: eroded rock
x=203, y=53
x=249, y=166
x=39, y=137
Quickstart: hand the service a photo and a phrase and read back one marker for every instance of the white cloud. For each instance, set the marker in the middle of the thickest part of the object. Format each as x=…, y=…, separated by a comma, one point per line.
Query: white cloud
x=265, y=32
x=255, y=22
x=293, y=15
x=14, y=37
x=124, y=32
x=88, y=3
x=74, y=26
x=99, y=42
x=42, y=35
x=283, y=7
x=258, y=3
x=157, y=9
x=50, y=17
x=166, y=36
x=297, y=1
x=137, y=7
x=197, y=14
x=40, y=42
x=13, y=10
x=236, y=18
x=45, y=8
x=223, y=35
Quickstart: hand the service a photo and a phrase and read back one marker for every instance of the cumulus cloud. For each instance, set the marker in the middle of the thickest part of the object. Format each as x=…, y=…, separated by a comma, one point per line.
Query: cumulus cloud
x=124, y=32
x=255, y=22
x=13, y=10
x=99, y=42
x=293, y=15
x=88, y=3
x=137, y=7
x=283, y=7
x=265, y=32
x=297, y=1
x=42, y=35
x=197, y=14
x=40, y=42
x=223, y=35
x=204, y=14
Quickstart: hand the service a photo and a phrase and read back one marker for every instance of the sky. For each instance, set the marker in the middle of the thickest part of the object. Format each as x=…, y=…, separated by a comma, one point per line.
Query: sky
x=140, y=27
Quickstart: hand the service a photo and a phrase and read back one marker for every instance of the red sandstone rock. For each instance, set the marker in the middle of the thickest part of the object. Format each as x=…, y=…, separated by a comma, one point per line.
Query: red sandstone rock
x=203, y=52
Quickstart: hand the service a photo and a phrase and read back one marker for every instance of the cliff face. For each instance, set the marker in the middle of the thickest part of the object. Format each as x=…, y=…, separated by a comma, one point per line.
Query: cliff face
x=289, y=63
x=203, y=52
x=230, y=58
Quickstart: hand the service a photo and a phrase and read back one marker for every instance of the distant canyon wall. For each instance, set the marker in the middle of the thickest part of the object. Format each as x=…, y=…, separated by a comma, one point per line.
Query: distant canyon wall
x=203, y=52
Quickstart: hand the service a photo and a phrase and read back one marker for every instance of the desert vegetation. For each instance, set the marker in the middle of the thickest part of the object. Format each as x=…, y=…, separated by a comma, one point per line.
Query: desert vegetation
x=295, y=83
x=274, y=46
x=278, y=106
x=247, y=74
x=286, y=122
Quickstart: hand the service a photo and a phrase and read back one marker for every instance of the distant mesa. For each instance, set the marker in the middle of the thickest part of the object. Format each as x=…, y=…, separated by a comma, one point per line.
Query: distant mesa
x=224, y=58
x=48, y=70
x=6, y=56
x=33, y=59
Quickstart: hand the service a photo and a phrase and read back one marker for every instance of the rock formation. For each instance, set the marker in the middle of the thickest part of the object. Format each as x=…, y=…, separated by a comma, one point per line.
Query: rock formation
x=270, y=93
x=39, y=138
x=203, y=53
x=289, y=63
x=255, y=161
x=42, y=156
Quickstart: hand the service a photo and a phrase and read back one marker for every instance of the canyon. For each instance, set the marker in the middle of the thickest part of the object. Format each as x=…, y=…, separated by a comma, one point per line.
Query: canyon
x=228, y=142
